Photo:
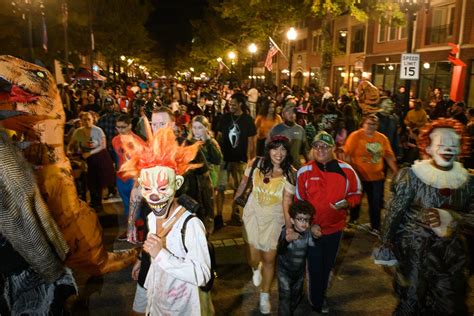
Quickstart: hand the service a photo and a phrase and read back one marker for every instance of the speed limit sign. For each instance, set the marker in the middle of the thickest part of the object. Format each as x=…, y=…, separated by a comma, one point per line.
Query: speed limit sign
x=410, y=67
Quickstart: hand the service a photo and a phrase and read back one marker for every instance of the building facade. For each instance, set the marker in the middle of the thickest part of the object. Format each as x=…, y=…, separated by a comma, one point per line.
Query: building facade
x=374, y=49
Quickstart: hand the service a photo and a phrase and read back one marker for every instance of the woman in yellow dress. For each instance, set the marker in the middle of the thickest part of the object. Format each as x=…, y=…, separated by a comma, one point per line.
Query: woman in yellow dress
x=267, y=208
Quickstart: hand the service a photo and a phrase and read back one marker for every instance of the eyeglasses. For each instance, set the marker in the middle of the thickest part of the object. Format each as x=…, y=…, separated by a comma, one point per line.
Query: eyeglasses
x=321, y=147
x=303, y=219
x=121, y=127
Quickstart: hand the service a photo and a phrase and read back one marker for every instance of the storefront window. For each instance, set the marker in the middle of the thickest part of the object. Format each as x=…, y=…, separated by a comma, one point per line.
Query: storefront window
x=387, y=76
x=438, y=75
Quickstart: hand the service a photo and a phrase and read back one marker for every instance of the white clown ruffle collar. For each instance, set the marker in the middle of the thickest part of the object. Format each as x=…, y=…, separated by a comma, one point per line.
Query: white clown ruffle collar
x=440, y=179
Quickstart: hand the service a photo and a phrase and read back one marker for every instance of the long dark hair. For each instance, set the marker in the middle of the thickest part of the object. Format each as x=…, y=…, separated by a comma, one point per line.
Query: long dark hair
x=266, y=164
x=266, y=106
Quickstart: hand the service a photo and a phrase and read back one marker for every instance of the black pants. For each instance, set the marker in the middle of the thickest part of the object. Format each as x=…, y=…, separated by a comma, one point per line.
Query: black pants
x=290, y=290
x=260, y=148
x=321, y=259
x=374, y=191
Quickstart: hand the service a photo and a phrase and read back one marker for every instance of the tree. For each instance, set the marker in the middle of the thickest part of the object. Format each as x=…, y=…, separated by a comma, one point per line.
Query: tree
x=234, y=24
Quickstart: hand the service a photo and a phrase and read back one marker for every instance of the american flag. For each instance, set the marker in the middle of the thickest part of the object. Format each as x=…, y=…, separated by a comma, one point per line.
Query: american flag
x=271, y=52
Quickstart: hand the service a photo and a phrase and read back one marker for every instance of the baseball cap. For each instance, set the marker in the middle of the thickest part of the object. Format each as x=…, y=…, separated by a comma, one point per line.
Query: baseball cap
x=288, y=107
x=324, y=137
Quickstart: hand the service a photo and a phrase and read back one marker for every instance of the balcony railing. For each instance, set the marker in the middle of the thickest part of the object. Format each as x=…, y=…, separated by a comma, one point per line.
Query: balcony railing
x=439, y=34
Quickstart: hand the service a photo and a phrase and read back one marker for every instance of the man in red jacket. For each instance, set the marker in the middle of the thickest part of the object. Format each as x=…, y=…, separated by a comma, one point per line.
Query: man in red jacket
x=331, y=186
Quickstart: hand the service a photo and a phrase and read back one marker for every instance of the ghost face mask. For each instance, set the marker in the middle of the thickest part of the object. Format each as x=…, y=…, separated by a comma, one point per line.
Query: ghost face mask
x=159, y=185
x=444, y=147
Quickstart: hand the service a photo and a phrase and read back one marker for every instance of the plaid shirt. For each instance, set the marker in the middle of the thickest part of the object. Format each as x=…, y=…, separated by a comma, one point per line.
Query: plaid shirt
x=107, y=123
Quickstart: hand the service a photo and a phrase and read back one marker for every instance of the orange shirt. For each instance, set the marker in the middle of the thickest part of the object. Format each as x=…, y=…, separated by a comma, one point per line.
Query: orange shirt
x=367, y=154
x=264, y=125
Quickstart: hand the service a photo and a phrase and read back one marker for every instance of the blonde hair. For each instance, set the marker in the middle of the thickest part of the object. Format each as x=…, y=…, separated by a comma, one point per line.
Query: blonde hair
x=201, y=119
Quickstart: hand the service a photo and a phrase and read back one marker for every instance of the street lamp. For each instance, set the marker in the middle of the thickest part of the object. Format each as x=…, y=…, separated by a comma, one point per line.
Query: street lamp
x=191, y=69
x=411, y=8
x=291, y=35
x=231, y=56
x=252, y=49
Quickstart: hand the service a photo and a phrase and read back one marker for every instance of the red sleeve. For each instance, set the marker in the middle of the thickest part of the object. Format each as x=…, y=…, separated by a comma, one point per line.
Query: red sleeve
x=300, y=185
x=354, y=191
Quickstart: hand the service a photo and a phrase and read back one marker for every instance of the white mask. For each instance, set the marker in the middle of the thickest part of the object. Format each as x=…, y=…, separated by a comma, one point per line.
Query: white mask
x=159, y=185
x=444, y=147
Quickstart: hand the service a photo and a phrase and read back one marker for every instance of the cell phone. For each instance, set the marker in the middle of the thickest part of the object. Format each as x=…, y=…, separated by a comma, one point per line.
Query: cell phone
x=341, y=204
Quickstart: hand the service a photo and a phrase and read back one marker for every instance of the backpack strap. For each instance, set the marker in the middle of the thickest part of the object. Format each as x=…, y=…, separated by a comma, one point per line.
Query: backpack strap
x=183, y=230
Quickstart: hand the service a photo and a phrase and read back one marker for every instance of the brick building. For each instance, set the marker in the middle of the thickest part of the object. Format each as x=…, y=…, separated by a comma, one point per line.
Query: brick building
x=374, y=49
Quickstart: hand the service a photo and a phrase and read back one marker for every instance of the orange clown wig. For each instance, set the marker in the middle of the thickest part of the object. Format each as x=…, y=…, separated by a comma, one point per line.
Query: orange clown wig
x=424, y=139
x=160, y=149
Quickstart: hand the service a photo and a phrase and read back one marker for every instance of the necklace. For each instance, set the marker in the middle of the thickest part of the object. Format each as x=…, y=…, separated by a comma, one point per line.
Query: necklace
x=234, y=122
x=266, y=179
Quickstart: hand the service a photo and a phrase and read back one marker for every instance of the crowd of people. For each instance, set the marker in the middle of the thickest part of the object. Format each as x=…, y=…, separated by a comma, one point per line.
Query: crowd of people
x=298, y=162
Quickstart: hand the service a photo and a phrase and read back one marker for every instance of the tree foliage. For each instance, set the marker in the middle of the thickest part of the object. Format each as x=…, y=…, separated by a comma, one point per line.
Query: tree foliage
x=234, y=24
x=118, y=27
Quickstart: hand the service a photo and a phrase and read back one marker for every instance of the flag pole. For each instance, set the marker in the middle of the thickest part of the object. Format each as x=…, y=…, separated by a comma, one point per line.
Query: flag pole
x=276, y=46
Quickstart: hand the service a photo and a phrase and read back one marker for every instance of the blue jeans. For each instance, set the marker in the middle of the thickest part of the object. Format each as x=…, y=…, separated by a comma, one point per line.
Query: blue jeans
x=124, y=189
x=321, y=259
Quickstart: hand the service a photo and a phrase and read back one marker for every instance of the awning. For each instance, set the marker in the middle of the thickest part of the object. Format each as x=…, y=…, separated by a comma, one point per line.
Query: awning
x=85, y=74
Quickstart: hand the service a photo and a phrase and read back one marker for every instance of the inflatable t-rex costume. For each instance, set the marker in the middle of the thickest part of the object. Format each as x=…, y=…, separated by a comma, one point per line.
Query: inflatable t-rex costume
x=30, y=104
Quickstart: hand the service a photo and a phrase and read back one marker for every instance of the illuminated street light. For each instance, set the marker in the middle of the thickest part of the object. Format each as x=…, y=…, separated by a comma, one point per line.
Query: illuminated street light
x=231, y=56
x=291, y=35
x=252, y=49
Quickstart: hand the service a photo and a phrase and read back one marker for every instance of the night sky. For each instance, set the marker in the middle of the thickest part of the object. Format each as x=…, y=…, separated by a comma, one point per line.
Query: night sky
x=169, y=24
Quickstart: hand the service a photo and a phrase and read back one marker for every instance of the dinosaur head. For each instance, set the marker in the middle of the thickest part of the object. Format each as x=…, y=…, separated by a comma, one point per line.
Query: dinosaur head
x=28, y=96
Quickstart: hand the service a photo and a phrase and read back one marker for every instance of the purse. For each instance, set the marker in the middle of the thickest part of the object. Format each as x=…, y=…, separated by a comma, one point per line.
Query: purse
x=241, y=200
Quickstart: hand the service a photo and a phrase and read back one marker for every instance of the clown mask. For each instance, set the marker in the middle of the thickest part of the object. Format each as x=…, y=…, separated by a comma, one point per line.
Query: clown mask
x=159, y=185
x=444, y=147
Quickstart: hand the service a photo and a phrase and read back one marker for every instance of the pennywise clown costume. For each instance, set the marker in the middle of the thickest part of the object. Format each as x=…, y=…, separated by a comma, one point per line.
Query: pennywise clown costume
x=179, y=265
x=432, y=202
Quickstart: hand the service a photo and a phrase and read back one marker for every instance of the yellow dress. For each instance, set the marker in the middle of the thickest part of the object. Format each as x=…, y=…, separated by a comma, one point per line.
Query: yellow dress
x=263, y=214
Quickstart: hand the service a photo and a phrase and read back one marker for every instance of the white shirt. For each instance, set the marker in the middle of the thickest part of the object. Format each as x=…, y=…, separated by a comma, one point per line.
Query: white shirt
x=175, y=275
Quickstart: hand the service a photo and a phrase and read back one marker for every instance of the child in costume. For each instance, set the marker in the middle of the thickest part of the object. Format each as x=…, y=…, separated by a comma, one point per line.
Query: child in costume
x=292, y=257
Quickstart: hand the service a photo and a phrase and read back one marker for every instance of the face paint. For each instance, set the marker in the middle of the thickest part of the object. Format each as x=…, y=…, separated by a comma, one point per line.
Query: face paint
x=159, y=185
x=444, y=147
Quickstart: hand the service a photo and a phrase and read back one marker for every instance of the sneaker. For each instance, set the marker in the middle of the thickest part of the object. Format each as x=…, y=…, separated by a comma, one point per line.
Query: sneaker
x=122, y=236
x=384, y=256
x=257, y=275
x=375, y=232
x=325, y=307
x=265, y=307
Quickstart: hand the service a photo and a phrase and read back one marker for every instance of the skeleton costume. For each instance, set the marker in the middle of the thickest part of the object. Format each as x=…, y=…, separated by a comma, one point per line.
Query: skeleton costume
x=431, y=275
x=183, y=263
